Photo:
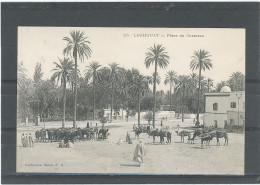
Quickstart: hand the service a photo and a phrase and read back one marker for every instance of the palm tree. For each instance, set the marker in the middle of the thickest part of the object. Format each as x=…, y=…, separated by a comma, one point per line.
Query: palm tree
x=21, y=76
x=37, y=76
x=236, y=81
x=123, y=87
x=157, y=56
x=183, y=88
x=200, y=60
x=209, y=84
x=77, y=45
x=151, y=79
x=171, y=78
x=194, y=82
x=114, y=70
x=61, y=74
x=93, y=70
x=220, y=85
x=139, y=87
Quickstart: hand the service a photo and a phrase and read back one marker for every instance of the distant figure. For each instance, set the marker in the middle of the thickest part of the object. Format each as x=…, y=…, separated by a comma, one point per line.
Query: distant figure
x=30, y=139
x=23, y=140
x=96, y=124
x=161, y=138
x=169, y=137
x=61, y=144
x=128, y=137
x=120, y=141
x=88, y=125
x=69, y=144
x=134, y=127
x=139, y=153
x=194, y=120
x=26, y=141
x=46, y=135
x=91, y=125
x=126, y=117
x=161, y=122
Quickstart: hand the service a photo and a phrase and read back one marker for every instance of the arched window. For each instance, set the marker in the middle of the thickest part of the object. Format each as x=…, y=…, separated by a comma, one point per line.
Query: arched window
x=215, y=106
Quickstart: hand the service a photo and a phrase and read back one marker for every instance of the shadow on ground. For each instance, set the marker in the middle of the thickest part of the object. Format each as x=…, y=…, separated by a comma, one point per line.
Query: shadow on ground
x=130, y=165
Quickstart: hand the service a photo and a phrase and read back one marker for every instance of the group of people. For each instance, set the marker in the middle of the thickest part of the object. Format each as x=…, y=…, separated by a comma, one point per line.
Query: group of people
x=62, y=144
x=90, y=125
x=27, y=140
x=148, y=127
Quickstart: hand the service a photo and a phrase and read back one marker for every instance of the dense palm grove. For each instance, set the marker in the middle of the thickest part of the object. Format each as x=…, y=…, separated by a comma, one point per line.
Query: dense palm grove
x=70, y=95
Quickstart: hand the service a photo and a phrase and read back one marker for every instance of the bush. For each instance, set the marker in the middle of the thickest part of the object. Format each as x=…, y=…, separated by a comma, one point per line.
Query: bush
x=148, y=117
x=103, y=120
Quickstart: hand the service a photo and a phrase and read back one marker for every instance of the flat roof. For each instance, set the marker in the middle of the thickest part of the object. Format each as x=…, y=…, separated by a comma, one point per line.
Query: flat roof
x=217, y=94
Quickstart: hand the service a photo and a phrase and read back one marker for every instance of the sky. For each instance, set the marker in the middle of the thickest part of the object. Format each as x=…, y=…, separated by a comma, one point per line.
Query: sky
x=127, y=47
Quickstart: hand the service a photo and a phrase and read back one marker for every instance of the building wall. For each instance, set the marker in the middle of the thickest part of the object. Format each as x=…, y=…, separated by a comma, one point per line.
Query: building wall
x=220, y=100
x=235, y=116
x=209, y=119
x=225, y=112
x=220, y=115
x=233, y=98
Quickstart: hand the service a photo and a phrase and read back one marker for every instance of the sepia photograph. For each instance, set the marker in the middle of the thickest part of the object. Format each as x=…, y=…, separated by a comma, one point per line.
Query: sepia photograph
x=124, y=100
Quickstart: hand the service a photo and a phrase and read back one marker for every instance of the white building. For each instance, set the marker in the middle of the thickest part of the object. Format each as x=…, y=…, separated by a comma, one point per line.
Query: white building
x=224, y=107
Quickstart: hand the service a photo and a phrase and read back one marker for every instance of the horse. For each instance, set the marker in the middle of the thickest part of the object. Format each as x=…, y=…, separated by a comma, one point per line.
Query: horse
x=161, y=134
x=220, y=134
x=38, y=135
x=138, y=131
x=183, y=133
x=103, y=133
x=43, y=135
x=169, y=137
x=50, y=133
x=207, y=137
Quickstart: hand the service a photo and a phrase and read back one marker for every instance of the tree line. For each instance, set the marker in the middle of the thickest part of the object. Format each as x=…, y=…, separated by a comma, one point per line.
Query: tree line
x=70, y=95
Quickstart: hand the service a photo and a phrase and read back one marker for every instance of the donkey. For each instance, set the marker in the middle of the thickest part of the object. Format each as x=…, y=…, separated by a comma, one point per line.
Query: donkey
x=220, y=134
x=206, y=138
x=183, y=133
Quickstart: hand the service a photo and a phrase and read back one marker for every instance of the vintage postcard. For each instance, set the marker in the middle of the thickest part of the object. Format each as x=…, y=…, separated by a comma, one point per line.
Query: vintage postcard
x=131, y=100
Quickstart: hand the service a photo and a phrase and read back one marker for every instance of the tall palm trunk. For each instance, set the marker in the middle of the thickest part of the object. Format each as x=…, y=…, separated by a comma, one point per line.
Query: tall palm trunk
x=182, y=111
x=75, y=87
x=198, y=104
x=64, y=101
x=139, y=94
x=154, y=93
x=170, y=96
x=94, y=95
x=112, y=99
x=123, y=110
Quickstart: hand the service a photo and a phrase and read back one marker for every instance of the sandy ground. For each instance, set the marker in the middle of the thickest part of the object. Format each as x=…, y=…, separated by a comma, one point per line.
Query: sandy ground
x=109, y=157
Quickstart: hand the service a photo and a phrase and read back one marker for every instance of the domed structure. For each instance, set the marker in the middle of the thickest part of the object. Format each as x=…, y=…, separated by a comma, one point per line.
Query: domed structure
x=225, y=89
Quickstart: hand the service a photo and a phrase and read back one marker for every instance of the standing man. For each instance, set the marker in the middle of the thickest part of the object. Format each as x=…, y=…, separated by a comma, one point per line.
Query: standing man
x=23, y=140
x=26, y=141
x=139, y=153
x=30, y=140
x=127, y=137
